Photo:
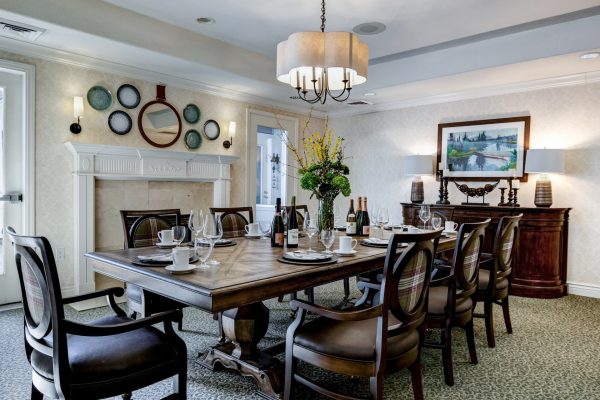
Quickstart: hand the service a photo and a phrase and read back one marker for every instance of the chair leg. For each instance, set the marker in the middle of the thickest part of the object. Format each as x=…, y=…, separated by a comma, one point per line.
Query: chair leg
x=471, y=342
x=376, y=385
x=180, y=385
x=416, y=376
x=506, y=312
x=126, y=396
x=36, y=394
x=290, y=370
x=346, y=289
x=489, y=323
x=180, y=322
x=447, y=356
x=310, y=293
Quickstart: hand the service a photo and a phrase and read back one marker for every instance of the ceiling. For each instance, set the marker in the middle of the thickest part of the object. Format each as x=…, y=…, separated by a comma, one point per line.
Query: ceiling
x=430, y=47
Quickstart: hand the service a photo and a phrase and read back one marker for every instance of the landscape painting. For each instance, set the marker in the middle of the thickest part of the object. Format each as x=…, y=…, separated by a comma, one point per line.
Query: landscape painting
x=482, y=150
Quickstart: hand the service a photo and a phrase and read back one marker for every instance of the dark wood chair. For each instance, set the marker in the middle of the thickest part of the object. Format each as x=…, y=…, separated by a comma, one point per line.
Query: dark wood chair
x=141, y=229
x=371, y=342
x=450, y=304
x=112, y=356
x=494, y=275
x=233, y=221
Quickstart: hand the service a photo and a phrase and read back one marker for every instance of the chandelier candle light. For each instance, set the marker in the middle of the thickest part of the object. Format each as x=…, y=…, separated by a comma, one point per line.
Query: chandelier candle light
x=318, y=64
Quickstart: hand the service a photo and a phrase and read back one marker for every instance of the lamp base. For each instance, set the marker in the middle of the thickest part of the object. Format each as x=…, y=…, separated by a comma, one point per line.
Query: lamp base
x=416, y=192
x=543, y=193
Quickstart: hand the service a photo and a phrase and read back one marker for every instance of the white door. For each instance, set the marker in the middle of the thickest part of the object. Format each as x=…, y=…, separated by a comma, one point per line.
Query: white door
x=269, y=161
x=14, y=172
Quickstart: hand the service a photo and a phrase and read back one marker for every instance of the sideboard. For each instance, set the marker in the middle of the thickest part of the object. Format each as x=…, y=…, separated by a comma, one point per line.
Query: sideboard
x=540, y=260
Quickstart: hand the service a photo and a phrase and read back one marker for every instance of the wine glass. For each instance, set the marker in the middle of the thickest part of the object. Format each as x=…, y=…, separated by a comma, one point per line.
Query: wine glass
x=436, y=221
x=425, y=214
x=265, y=229
x=203, y=252
x=381, y=218
x=310, y=227
x=196, y=223
x=327, y=238
x=179, y=233
x=213, y=231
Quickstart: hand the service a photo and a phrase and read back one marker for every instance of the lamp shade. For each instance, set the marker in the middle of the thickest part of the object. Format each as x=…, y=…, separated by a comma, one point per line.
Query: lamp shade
x=232, y=128
x=417, y=165
x=77, y=106
x=545, y=161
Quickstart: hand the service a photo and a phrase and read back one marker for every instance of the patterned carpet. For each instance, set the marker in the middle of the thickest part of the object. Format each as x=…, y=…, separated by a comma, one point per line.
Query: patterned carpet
x=554, y=353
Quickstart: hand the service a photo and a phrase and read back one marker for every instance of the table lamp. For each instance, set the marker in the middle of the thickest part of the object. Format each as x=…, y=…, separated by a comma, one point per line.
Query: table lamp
x=544, y=161
x=417, y=165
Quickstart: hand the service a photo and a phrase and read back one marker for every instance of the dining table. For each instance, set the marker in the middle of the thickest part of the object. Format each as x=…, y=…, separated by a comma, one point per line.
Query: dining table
x=249, y=272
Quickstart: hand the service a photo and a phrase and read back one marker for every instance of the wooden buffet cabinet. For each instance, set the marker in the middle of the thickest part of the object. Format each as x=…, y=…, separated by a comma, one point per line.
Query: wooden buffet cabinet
x=540, y=263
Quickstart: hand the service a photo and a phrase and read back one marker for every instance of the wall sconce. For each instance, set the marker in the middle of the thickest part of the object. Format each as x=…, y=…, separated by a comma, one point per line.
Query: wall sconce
x=77, y=113
x=228, y=143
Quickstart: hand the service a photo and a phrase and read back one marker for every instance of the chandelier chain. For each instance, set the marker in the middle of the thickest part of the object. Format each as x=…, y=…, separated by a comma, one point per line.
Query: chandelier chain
x=322, y=15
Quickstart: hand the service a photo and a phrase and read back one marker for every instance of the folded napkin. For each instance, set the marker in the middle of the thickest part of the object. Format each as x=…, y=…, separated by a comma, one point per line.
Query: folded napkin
x=156, y=258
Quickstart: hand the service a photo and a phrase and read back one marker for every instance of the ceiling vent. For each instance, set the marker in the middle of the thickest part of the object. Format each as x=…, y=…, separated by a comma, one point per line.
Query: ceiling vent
x=360, y=103
x=19, y=30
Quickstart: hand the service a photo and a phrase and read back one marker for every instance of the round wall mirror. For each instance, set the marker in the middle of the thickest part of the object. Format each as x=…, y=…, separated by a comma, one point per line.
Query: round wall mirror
x=159, y=122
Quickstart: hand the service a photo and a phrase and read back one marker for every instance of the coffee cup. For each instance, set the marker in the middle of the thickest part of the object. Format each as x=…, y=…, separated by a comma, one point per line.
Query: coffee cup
x=181, y=257
x=347, y=244
x=450, y=226
x=166, y=236
x=252, y=229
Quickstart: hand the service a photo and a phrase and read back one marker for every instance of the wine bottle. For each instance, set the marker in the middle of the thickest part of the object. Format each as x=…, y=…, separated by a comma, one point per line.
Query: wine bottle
x=292, y=225
x=351, y=220
x=359, y=217
x=365, y=220
x=277, y=228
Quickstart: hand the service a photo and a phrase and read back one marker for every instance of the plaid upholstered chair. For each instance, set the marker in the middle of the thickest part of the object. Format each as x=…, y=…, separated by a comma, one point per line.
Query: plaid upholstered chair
x=112, y=356
x=494, y=275
x=450, y=304
x=370, y=342
x=233, y=220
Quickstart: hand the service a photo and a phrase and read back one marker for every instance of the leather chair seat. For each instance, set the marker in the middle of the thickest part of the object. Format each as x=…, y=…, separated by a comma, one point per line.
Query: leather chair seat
x=106, y=358
x=438, y=298
x=352, y=339
x=484, y=281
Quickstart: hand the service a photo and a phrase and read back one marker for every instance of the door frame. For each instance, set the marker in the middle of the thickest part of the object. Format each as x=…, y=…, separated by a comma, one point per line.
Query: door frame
x=27, y=71
x=250, y=195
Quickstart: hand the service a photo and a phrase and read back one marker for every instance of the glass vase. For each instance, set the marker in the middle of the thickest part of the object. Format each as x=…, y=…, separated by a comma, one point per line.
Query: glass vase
x=326, y=218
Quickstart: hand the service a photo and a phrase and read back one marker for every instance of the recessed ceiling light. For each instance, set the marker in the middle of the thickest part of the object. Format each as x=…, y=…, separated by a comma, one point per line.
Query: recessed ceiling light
x=368, y=94
x=369, y=28
x=205, y=20
x=590, y=55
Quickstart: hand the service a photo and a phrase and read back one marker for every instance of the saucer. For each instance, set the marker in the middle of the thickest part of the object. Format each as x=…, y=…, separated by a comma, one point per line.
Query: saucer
x=162, y=245
x=257, y=236
x=345, y=254
x=180, y=271
x=449, y=232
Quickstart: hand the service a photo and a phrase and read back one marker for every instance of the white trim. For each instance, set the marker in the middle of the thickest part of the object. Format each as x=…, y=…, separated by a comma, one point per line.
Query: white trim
x=28, y=73
x=584, y=289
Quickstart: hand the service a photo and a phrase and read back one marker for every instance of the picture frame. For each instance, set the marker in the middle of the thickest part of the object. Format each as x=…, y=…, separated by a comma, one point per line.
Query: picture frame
x=484, y=150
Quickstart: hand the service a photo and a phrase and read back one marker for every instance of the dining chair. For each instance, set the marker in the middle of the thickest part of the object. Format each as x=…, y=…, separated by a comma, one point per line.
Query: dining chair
x=494, y=273
x=141, y=229
x=369, y=342
x=233, y=220
x=450, y=304
x=111, y=356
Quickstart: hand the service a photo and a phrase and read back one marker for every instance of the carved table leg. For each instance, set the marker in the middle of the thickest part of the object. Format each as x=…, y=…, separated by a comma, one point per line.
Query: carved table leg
x=244, y=327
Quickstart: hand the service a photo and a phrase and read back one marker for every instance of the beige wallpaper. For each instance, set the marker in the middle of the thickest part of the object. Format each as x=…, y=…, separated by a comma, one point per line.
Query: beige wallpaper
x=56, y=84
x=566, y=118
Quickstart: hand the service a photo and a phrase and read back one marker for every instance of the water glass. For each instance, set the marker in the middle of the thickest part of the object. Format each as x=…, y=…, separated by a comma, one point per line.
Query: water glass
x=436, y=221
x=196, y=223
x=265, y=229
x=327, y=238
x=179, y=233
x=213, y=231
x=381, y=219
x=203, y=252
x=310, y=227
x=424, y=214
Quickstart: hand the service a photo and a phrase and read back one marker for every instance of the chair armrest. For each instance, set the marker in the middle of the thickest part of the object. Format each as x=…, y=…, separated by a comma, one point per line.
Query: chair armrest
x=350, y=315
x=80, y=329
x=365, y=284
x=445, y=281
x=114, y=291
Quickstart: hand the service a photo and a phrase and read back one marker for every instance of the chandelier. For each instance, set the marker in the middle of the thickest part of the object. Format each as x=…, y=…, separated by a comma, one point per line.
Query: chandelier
x=321, y=64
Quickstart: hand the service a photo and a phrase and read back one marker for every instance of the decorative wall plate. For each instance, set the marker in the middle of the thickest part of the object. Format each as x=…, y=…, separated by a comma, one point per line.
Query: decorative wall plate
x=128, y=96
x=191, y=114
x=212, y=129
x=99, y=98
x=192, y=139
x=119, y=122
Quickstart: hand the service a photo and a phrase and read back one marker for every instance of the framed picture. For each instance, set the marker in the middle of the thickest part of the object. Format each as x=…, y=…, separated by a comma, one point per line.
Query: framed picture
x=484, y=150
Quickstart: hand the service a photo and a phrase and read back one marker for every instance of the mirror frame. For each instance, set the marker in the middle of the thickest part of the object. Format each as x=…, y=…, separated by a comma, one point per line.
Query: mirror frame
x=160, y=99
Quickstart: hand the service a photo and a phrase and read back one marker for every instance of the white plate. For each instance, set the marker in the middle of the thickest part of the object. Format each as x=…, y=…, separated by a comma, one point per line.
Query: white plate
x=171, y=268
x=340, y=253
x=449, y=232
x=305, y=256
x=249, y=236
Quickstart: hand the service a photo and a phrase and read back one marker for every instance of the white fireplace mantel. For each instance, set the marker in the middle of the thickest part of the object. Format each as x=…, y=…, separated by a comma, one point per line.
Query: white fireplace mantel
x=96, y=161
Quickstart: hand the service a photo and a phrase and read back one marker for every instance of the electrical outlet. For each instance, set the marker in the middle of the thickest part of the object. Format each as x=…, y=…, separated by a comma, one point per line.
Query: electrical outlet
x=60, y=254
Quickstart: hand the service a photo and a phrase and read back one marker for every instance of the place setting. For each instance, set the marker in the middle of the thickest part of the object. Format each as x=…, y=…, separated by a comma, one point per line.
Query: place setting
x=253, y=231
x=178, y=261
x=312, y=257
x=171, y=238
x=346, y=247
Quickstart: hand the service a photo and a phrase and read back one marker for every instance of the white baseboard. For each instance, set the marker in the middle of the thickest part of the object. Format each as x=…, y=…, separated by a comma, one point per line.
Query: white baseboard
x=583, y=289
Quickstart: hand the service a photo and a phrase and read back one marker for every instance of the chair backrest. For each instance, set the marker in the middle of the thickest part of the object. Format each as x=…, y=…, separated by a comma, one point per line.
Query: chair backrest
x=129, y=217
x=504, y=244
x=465, y=264
x=144, y=232
x=301, y=211
x=233, y=221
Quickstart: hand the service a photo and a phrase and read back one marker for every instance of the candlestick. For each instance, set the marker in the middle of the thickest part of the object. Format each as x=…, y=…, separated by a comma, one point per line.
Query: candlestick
x=441, y=190
x=446, y=201
x=502, y=203
x=510, y=193
x=515, y=201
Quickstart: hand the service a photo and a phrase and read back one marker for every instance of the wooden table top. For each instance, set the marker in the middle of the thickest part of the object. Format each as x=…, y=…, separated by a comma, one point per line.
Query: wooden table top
x=248, y=272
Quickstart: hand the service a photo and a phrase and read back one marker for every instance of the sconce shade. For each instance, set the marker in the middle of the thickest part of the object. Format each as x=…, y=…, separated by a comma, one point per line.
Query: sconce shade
x=545, y=161
x=232, y=128
x=77, y=106
x=417, y=165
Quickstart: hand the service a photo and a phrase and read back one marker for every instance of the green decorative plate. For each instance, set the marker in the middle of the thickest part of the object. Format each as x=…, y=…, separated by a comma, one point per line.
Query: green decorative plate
x=99, y=98
x=191, y=114
x=192, y=139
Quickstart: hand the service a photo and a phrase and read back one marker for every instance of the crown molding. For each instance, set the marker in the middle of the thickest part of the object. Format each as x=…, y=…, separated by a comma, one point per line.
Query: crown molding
x=45, y=53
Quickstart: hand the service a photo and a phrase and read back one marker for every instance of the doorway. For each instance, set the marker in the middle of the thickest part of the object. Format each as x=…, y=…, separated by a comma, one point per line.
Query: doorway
x=17, y=104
